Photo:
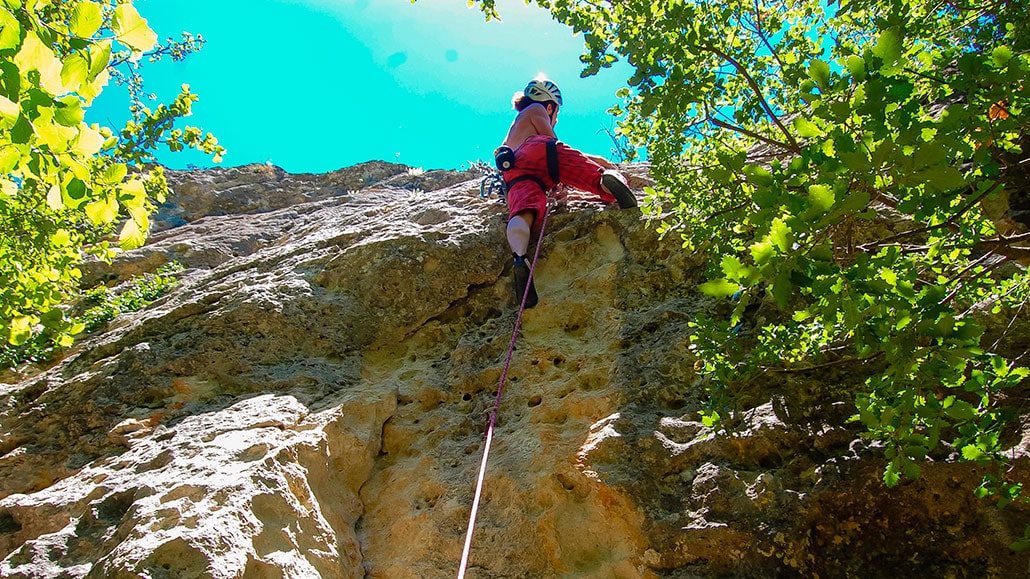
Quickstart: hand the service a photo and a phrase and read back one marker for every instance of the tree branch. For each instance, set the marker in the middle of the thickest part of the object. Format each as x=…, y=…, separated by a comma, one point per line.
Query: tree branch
x=762, y=35
x=949, y=222
x=729, y=210
x=752, y=134
x=794, y=147
x=844, y=360
x=1003, y=246
x=1011, y=323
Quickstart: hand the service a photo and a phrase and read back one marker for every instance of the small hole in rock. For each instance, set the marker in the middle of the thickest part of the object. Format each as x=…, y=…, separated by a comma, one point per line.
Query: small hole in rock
x=466, y=397
x=534, y=400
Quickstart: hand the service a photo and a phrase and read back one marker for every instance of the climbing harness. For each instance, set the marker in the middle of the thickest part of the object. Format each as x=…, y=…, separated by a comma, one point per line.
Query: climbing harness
x=504, y=158
x=551, y=149
x=497, y=404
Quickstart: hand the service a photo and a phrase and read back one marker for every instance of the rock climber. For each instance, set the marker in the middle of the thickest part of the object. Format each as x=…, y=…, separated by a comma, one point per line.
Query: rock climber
x=533, y=161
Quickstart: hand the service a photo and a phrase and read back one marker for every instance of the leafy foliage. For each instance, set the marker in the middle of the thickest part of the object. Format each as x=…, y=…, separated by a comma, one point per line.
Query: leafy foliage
x=99, y=306
x=781, y=134
x=105, y=304
x=68, y=188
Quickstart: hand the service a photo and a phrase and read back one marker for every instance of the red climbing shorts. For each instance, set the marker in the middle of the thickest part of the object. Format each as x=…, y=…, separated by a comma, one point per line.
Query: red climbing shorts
x=575, y=170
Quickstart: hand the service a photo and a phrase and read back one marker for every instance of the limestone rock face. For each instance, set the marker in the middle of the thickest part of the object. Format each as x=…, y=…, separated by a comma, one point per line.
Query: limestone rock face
x=311, y=401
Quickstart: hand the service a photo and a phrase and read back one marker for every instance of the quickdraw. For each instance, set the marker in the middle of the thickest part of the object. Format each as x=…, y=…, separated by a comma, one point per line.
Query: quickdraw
x=493, y=185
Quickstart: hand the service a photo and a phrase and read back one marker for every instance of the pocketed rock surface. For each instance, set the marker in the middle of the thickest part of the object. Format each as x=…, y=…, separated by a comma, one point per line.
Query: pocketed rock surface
x=311, y=400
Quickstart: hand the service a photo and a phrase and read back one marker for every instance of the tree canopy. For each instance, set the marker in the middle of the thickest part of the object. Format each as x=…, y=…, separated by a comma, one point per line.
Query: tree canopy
x=857, y=164
x=69, y=189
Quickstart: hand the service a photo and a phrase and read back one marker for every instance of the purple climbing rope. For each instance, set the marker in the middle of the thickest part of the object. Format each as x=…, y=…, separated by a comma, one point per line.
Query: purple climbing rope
x=497, y=405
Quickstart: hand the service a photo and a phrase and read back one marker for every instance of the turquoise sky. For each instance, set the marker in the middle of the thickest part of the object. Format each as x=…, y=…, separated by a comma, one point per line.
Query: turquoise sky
x=316, y=85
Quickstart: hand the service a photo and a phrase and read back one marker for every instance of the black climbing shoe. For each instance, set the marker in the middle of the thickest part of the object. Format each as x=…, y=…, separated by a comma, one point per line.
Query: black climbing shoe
x=521, y=271
x=619, y=189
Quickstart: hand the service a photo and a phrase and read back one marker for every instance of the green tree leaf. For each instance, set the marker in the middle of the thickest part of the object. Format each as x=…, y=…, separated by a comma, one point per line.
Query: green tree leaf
x=889, y=46
x=719, y=288
x=131, y=29
x=131, y=235
x=19, y=329
x=856, y=66
x=819, y=71
x=102, y=211
x=86, y=19
x=74, y=72
x=37, y=56
x=1001, y=55
x=782, y=289
x=10, y=30
x=9, y=111
x=758, y=175
x=821, y=196
x=807, y=128
x=892, y=474
x=972, y=452
x=89, y=140
x=781, y=235
x=736, y=270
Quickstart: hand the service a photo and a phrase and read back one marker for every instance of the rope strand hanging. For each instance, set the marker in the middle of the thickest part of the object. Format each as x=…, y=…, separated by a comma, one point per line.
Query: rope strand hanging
x=497, y=403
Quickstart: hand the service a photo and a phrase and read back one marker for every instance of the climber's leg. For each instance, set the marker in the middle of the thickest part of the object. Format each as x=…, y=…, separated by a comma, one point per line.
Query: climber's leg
x=519, y=228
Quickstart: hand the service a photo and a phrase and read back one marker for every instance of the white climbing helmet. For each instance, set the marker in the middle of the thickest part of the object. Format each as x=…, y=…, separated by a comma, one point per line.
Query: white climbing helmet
x=542, y=91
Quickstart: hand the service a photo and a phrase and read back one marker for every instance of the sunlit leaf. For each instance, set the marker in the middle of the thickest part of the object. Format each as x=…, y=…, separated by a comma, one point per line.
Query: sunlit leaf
x=68, y=111
x=19, y=330
x=55, y=136
x=781, y=235
x=821, y=196
x=856, y=66
x=53, y=198
x=10, y=30
x=132, y=192
x=99, y=58
x=102, y=211
x=130, y=236
x=37, y=56
x=891, y=475
x=719, y=288
x=1001, y=55
x=89, y=140
x=61, y=238
x=889, y=46
x=819, y=71
x=971, y=452
x=114, y=173
x=74, y=71
x=734, y=269
x=806, y=128
x=762, y=252
x=131, y=29
x=86, y=19
x=9, y=111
